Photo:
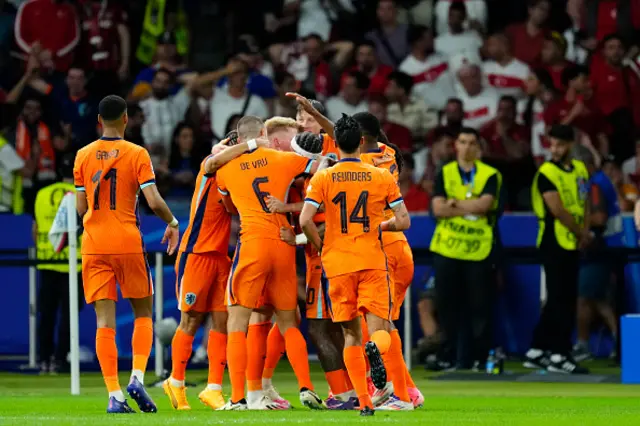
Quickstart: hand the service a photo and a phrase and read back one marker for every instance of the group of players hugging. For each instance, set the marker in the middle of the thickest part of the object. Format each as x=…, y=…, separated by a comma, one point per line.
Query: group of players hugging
x=335, y=184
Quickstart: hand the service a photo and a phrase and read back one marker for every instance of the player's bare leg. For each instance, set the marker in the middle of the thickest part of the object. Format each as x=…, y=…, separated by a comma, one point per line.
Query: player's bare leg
x=181, y=347
x=107, y=353
x=217, y=353
x=386, y=342
x=322, y=333
x=298, y=356
x=355, y=362
x=141, y=343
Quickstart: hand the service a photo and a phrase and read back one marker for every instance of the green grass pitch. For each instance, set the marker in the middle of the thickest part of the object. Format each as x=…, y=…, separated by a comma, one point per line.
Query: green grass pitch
x=34, y=400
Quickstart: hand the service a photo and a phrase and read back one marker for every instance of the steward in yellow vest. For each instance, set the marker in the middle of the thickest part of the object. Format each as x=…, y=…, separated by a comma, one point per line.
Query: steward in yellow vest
x=54, y=277
x=465, y=204
x=559, y=196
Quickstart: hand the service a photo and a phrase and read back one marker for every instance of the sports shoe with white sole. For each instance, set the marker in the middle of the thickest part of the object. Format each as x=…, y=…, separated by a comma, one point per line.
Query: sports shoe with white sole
x=234, y=406
x=380, y=396
x=395, y=404
x=273, y=394
x=265, y=403
x=310, y=399
x=536, y=358
x=565, y=365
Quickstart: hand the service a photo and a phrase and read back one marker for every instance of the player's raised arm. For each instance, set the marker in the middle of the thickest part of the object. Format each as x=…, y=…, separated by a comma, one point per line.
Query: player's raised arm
x=401, y=219
x=324, y=122
x=223, y=157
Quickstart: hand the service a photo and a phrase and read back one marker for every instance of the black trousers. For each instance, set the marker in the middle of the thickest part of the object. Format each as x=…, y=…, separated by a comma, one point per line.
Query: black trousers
x=53, y=298
x=558, y=317
x=464, y=300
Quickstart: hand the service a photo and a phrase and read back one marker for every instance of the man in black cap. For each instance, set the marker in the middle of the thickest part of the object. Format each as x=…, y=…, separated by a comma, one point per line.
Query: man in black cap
x=559, y=197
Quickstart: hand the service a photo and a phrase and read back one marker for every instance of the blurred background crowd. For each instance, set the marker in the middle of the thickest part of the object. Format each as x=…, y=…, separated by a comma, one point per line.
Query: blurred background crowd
x=189, y=69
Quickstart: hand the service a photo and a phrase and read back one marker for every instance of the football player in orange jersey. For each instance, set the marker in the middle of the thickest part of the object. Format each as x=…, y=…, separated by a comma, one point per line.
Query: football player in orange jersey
x=310, y=116
x=202, y=269
x=262, y=264
x=324, y=333
x=355, y=196
x=109, y=175
x=396, y=247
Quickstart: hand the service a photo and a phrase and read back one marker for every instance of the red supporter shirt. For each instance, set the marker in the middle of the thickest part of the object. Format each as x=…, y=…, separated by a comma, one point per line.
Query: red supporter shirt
x=614, y=88
x=608, y=17
x=398, y=135
x=525, y=47
x=53, y=24
x=100, y=40
x=591, y=121
x=489, y=132
x=378, y=81
x=416, y=199
x=556, y=75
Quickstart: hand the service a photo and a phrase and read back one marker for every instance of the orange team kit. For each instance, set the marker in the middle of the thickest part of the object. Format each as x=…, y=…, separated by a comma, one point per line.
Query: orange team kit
x=112, y=175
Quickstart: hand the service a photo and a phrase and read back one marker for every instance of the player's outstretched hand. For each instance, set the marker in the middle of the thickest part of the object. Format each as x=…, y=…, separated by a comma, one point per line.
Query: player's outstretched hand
x=287, y=235
x=275, y=205
x=304, y=102
x=171, y=237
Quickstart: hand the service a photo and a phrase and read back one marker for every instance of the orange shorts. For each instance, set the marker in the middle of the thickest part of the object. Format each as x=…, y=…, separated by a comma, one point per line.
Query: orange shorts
x=400, y=264
x=360, y=292
x=101, y=273
x=317, y=286
x=263, y=267
x=201, y=281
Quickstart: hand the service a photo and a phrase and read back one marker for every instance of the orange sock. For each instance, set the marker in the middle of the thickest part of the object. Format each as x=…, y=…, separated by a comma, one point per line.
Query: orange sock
x=298, y=357
x=217, y=353
x=394, y=362
x=108, y=357
x=337, y=381
x=365, y=338
x=237, y=362
x=275, y=350
x=354, y=360
x=181, y=347
x=141, y=343
x=347, y=380
x=407, y=375
x=257, y=341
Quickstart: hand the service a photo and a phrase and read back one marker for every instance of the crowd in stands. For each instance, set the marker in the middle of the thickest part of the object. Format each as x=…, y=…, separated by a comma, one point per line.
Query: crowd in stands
x=425, y=68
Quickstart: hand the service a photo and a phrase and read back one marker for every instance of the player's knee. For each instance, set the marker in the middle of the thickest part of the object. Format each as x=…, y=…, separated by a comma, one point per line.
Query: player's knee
x=375, y=323
x=238, y=319
x=286, y=320
x=105, y=313
x=219, y=324
x=352, y=337
x=190, y=322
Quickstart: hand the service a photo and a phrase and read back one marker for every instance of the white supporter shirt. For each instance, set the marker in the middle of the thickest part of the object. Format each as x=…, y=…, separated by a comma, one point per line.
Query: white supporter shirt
x=480, y=109
x=629, y=169
x=450, y=44
x=10, y=162
x=476, y=10
x=313, y=19
x=223, y=106
x=539, y=144
x=161, y=117
x=507, y=80
x=433, y=81
x=336, y=105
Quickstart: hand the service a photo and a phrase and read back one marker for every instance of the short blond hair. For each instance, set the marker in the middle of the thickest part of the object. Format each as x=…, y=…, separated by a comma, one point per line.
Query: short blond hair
x=281, y=123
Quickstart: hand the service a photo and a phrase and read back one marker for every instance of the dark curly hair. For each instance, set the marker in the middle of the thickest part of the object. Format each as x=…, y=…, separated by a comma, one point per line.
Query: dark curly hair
x=399, y=155
x=233, y=138
x=310, y=142
x=348, y=134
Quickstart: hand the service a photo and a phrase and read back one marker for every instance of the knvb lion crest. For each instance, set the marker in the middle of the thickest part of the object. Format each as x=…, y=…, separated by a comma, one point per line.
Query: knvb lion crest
x=190, y=299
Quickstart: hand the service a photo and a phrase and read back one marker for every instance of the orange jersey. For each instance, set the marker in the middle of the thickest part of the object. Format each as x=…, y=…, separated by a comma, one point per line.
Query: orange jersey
x=355, y=196
x=329, y=147
x=250, y=179
x=209, y=223
x=385, y=157
x=112, y=172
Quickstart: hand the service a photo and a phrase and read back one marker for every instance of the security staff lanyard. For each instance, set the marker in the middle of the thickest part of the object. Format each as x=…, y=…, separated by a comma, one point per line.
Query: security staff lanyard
x=468, y=182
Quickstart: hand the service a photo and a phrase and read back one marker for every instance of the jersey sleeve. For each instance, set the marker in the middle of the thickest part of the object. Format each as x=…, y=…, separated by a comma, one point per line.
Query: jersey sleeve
x=545, y=185
x=78, y=177
x=491, y=187
x=297, y=164
x=222, y=187
x=394, y=197
x=315, y=191
x=144, y=171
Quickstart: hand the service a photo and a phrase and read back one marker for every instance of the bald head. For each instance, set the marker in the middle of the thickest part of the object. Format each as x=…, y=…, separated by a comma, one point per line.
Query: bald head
x=250, y=127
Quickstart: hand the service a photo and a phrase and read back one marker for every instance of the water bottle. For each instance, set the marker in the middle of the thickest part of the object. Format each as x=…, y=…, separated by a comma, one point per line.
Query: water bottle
x=491, y=362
